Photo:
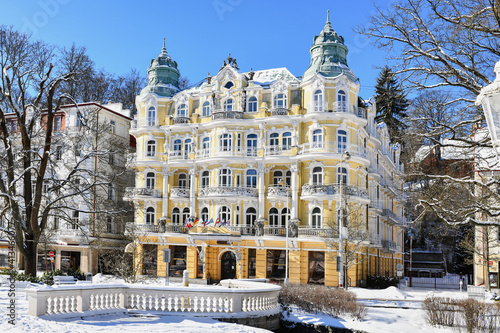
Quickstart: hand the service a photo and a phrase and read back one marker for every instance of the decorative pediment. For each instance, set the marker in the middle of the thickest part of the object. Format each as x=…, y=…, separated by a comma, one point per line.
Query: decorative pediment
x=318, y=82
x=279, y=87
x=181, y=99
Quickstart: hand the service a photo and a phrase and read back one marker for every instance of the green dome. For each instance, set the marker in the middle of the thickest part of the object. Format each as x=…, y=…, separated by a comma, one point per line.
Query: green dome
x=328, y=55
x=163, y=75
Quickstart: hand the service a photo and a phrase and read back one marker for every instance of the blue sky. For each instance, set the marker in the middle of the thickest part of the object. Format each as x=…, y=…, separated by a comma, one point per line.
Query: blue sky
x=120, y=35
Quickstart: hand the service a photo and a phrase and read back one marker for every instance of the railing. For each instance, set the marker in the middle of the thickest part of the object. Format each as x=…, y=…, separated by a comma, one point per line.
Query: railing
x=333, y=189
x=376, y=203
x=181, y=120
x=318, y=232
x=179, y=192
x=318, y=107
x=375, y=240
x=274, y=150
x=227, y=115
x=225, y=151
x=279, y=112
x=234, y=297
x=278, y=191
x=159, y=228
x=332, y=148
x=144, y=123
x=388, y=244
x=228, y=191
x=131, y=192
x=178, y=155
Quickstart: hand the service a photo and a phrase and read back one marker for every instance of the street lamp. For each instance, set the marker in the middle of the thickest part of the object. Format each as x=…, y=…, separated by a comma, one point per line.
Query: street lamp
x=343, y=157
x=489, y=98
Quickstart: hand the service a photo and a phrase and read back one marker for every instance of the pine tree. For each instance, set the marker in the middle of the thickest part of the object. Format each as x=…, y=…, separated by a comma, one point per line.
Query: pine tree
x=391, y=104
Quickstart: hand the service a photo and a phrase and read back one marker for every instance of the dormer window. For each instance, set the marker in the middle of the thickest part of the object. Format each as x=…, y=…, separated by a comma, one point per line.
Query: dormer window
x=182, y=110
x=206, y=109
x=280, y=101
x=229, y=85
x=252, y=104
x=229, y=104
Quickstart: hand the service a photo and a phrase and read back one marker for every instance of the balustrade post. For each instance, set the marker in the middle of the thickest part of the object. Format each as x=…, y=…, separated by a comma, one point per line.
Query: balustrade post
x=83, y=300
x=237, y=302
x=37, y=305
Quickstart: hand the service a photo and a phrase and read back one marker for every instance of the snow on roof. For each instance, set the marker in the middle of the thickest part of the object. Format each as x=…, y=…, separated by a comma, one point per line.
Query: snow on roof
x=450, y=150
x=268, y=76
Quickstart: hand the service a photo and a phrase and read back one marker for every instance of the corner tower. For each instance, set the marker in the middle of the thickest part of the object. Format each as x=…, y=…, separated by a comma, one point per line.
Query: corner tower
x=163, y=75
x=328, y=54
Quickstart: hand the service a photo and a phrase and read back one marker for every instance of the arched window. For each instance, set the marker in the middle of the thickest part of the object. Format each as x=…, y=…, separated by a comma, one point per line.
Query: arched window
x=229, y=104
x=277, y=177
x=274, y=142
x=252, y=104
x=341, y=175
x=182, y=110
x=205, y=146
x=225, y=177
x=152, y=116
x=151, y=148
x=285, y=216
x=176, y=216
x=288, y=178
x=225, y=142
x=229, y=85
x=205, y=179
x=317, y=176
x=252, y=145
x=341, y=101
x=317, y=139
x=177, y=147
x=204, y=214
x=206, y=109
x=286, y=140
x=224, y=214
x=183, y=180
x=273, y=217
x=150, y=180
x=187, y=147
x=316, y=218
x=250, y=216
x=252, y=178
x=185, y=215
x=150, y=215
x=342, y=141
x=318, y=101
x=280, y=101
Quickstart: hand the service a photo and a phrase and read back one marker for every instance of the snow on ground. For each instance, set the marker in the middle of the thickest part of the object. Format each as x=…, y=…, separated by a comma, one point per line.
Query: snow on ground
x=379, y=318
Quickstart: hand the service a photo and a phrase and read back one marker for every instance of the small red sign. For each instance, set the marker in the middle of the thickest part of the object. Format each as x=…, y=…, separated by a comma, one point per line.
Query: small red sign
x=51, y=254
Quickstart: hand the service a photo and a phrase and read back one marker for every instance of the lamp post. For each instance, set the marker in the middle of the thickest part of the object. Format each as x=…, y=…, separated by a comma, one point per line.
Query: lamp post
x=343, y=157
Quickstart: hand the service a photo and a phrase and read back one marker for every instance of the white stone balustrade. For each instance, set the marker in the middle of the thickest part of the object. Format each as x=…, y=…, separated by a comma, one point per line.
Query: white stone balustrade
x=235, y=298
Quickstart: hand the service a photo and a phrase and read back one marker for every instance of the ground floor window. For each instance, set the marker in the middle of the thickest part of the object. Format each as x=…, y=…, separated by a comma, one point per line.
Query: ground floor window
x=149, y=259
x=178, y=262
x=70, y=261
x=199, y=273
x=43, y=262
x=252, y=262
x=316, y=267
x=4, y=260
x=276, y=264
x=494, y=280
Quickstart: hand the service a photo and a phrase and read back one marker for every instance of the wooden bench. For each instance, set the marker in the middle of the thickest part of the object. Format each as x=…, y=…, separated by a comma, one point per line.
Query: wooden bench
x=61, y=279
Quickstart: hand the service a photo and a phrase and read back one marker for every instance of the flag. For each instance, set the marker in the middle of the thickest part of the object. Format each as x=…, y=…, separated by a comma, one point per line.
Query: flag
x=217, y=222
x=209, y=222
x=189, y=223
x=196, y=221
x=224, y=223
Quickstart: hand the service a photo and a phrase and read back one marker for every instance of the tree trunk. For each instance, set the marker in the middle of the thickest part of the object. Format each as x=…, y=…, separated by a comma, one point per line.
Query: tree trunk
x=30, y=258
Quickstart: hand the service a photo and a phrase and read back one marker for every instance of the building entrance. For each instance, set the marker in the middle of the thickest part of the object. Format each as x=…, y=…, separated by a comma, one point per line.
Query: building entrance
x=228, y=266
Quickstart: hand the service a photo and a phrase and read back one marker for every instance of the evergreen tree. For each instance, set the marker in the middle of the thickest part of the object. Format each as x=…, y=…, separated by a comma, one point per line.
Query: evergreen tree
x=391, y=103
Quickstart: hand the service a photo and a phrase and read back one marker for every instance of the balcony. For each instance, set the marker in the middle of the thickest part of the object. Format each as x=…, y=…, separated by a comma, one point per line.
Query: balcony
x=179, y=192
x=274, y=191
x=178, y=155
x=136, y=192
x=225, y=152
x=332, y=148
x=279, y=112
x=334, y=189
x=389, y=245
x=228, y=191
x=227, y=115
x=376, y=203
x=278, y=150
x=149, y=122
x=318, y=107
x=181, y=120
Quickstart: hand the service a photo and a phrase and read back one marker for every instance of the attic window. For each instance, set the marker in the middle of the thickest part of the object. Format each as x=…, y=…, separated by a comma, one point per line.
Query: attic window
x=229, y=85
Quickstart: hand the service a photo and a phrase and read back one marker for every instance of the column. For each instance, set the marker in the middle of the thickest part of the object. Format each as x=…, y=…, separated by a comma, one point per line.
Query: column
x=261, y=174
x=192, y=192
x=295, y=191
x=165, y=175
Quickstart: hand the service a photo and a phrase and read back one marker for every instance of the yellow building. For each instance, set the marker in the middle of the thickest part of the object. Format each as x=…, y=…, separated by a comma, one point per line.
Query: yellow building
x=258, y=151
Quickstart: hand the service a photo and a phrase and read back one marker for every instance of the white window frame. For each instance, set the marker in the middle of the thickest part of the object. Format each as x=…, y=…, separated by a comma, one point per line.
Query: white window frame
x=206, y=109
x=150, y=215
x=225, y=176
x=253, y=104
x=151, y=148
x=280, y=98
x=317, y=177
x=149, y=181
x=318, y=101
x=251, y=179
x=151, y=116
x=316, y=218
x=182, y=110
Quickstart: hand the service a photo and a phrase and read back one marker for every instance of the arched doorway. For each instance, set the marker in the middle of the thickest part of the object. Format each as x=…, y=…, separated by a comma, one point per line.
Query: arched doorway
x=228, y=266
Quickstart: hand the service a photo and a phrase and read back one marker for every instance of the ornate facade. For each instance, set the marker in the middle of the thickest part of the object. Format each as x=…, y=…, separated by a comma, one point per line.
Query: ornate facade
x=258, y=151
